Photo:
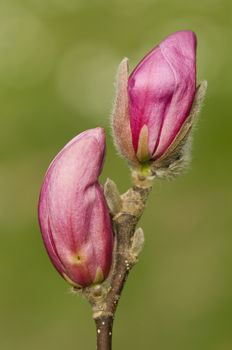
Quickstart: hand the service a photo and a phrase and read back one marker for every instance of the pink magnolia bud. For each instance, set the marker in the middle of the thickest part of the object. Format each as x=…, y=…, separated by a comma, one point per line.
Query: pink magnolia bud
x=153, y=104
x=161, y=92
x=73, y=214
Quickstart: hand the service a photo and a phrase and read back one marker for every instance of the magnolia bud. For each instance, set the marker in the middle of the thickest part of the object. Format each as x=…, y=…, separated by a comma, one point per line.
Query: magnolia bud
x=73, y=215
x=154, y=103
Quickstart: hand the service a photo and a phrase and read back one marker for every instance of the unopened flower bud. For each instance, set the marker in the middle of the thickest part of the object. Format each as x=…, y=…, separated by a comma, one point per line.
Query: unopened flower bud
x=73, y=215
x=154, y=103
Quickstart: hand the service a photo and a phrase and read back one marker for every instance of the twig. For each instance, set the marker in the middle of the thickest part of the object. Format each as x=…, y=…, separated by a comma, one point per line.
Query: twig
x=126, y=211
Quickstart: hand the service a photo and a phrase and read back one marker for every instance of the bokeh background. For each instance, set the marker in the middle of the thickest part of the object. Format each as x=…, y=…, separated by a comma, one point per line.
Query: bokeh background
x=58, y=60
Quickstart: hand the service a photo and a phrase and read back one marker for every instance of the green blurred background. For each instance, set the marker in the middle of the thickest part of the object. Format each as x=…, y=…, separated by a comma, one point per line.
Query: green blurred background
x=58, y=60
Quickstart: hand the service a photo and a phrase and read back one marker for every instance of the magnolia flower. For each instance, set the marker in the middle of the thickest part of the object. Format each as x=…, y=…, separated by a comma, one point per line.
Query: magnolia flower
x=156, y=105
x=73, y=214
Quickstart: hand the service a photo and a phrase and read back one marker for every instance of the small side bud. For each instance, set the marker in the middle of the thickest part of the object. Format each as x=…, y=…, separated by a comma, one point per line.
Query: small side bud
x=137, y=244
x=112, y=196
